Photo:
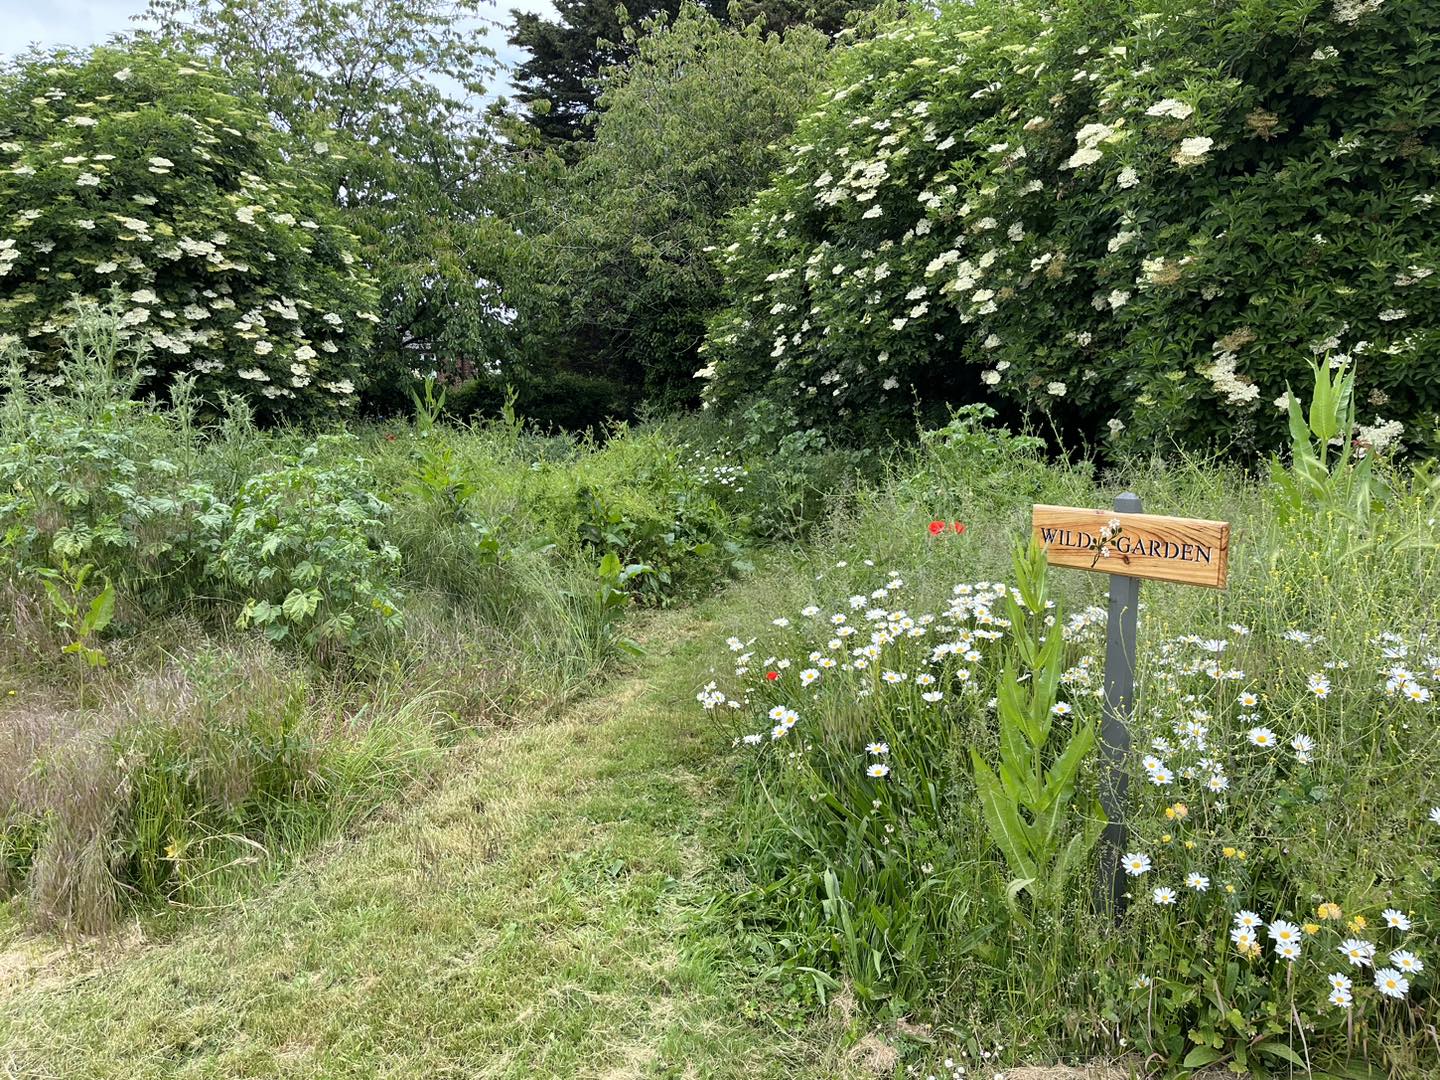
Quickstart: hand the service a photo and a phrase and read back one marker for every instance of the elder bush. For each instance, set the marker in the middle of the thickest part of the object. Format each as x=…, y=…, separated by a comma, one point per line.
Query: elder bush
x=134, y=175
x=1132, y=221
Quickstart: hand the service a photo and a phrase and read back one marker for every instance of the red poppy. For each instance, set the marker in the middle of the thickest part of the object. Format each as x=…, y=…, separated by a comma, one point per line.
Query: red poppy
x=959, y=528
x=772, y=675
x=936, y=528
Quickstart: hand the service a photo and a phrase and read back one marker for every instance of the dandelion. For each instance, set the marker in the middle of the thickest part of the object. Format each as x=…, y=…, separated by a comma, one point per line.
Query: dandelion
x=1164, y=896
x=1395, y=920
x=1406, y=962
x=878, y=770
x=1391, y=983
x=1135, y=863
x=1198, y=882
x=1329, y=911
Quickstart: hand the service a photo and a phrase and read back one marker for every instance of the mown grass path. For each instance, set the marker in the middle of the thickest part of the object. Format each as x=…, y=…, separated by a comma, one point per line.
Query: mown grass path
x=529, y=914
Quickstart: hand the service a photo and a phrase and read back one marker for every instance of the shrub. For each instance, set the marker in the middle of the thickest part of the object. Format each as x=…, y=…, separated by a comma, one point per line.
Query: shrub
x=1128, y=222
x=136, y=174
x=303, y=544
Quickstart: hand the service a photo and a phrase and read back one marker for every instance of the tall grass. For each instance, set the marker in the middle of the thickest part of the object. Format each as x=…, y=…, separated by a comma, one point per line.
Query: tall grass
x=892, y=886
x=301, y=621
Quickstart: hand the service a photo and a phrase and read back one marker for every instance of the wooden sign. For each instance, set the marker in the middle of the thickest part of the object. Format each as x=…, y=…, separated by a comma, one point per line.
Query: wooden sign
x=1188, y=550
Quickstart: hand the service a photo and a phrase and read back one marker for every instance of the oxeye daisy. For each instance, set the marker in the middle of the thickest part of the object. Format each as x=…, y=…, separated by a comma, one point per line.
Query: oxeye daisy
x=1218, y=782
x=1435, y=815
x=1198, y=882
x=878, y=770
x=1061, y=708
x=1135, y=863
x=877, y=748
x=1391, y=983
x=924, y=679
x=1358, y=951
x=1396, y=920
x=1318, y=685
x=1162, y=777
x=808, y=676
x=932, y=696
x=1288, y=950
x=1282, y=931
x=1247, y=920
x=1249, y=700
x=779, y=731
x=1164, y=895
x=893, y=677
x=1340, y=998
x=1407, y=962
x=1262, y=737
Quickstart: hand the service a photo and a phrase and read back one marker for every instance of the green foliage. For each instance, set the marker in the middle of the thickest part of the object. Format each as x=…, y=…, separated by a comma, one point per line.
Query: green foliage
x=1102, y=216
x=137, y=174
x=305, y=545
x=80, y=618
x=687, y=129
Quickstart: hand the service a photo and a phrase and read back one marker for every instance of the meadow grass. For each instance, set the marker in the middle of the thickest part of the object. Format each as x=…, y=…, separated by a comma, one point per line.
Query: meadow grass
x=534, y=909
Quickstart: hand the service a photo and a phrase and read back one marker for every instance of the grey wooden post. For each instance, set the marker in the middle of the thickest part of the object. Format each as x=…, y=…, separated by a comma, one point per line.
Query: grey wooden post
x=1120, y=645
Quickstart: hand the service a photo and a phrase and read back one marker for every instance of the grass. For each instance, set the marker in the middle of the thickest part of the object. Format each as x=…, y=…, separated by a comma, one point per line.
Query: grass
x=532, y=912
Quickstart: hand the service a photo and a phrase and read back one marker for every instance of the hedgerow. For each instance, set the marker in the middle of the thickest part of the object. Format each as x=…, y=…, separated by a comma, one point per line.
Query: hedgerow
x=135, y=176
x=1131, y=221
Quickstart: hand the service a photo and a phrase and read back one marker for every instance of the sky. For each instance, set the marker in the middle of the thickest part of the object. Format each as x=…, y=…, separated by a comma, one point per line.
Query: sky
x=89, y=22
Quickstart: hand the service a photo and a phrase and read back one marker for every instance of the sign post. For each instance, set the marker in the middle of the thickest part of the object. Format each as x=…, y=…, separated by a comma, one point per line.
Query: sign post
x=1129, y=546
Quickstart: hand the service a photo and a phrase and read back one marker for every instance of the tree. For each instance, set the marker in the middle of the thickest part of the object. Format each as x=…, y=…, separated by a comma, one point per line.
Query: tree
x=568, y=55
x=380, y=93
x=687, y=130
x=134, y=176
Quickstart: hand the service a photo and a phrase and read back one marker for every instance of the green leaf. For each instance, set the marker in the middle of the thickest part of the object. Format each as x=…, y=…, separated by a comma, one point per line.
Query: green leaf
x=1002, y=820
x=1201, y=1055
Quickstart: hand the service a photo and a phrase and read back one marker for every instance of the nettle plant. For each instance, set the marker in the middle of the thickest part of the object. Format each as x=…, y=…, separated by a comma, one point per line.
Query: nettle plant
x=303, y=543
x=1136, y=222
x=136, y=176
